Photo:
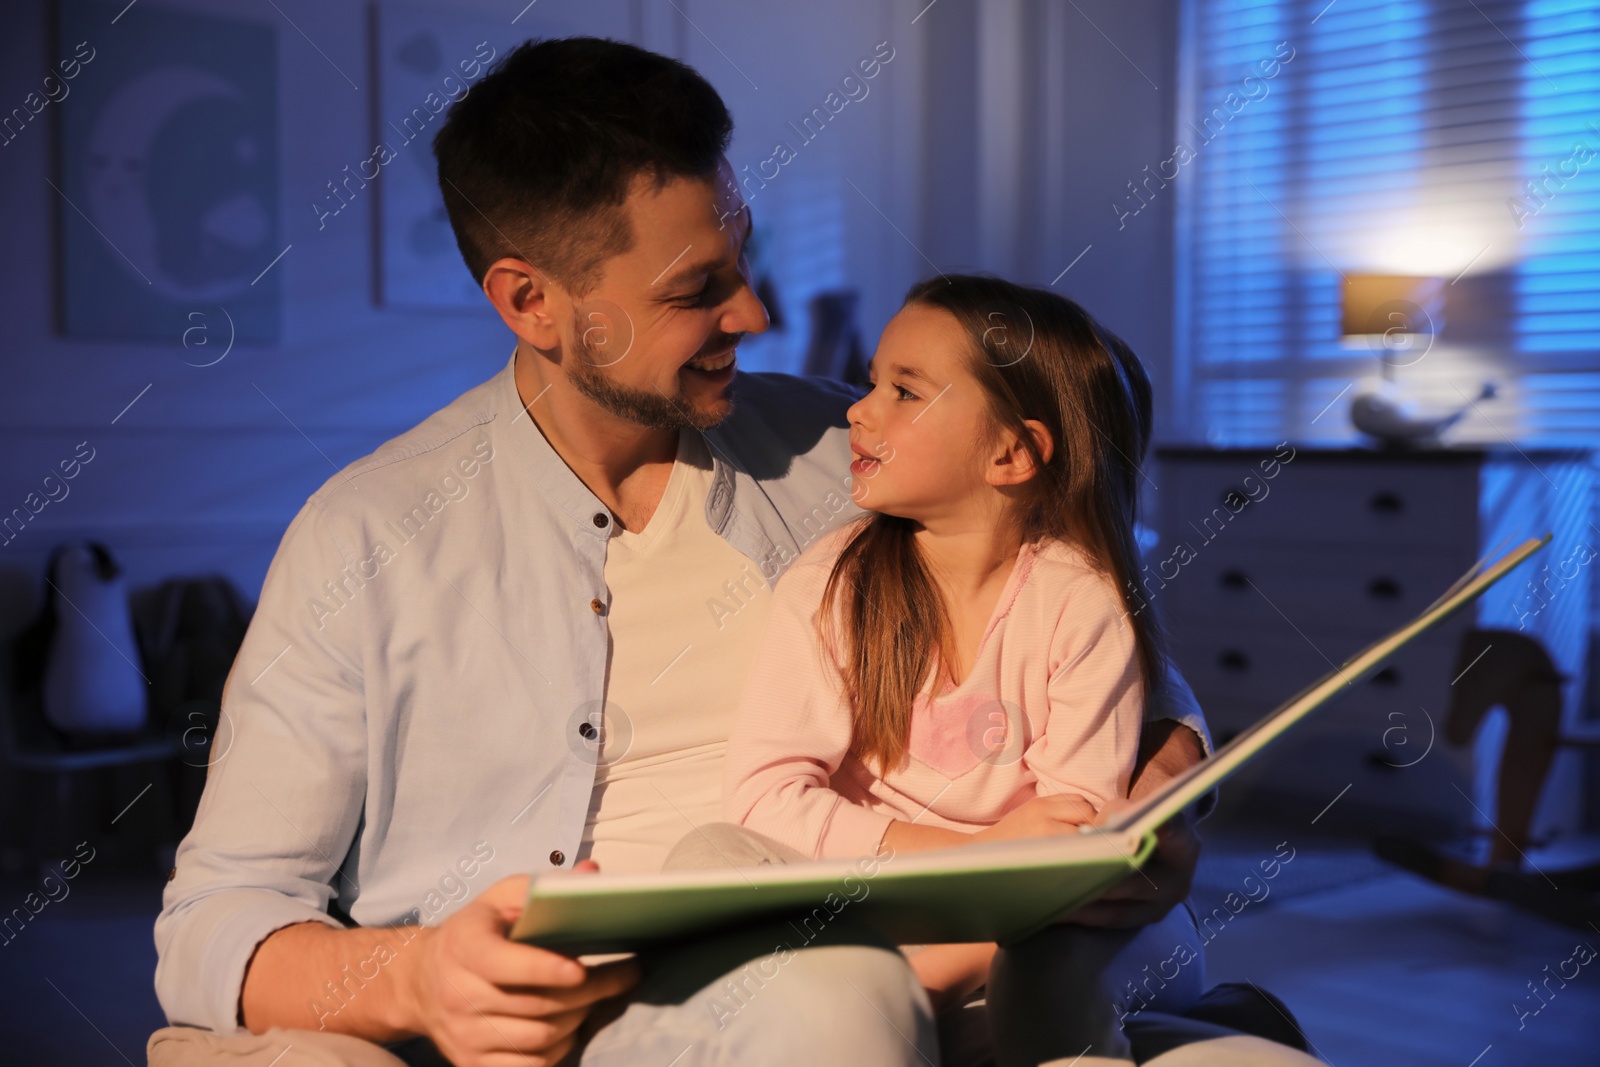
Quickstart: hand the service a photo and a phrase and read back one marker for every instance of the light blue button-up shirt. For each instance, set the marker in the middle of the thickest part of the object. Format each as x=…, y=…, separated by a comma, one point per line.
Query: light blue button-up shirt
x=402, y=725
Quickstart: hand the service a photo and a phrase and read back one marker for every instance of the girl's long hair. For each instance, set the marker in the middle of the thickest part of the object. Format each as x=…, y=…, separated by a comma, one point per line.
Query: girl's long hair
x=1036, y=355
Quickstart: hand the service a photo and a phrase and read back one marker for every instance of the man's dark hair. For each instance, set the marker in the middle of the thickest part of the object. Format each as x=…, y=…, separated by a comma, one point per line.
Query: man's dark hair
x=537, y=159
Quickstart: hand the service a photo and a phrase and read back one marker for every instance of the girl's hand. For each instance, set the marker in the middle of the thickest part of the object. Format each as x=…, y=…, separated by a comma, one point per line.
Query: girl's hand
x=1040, y=817
x=951, y=973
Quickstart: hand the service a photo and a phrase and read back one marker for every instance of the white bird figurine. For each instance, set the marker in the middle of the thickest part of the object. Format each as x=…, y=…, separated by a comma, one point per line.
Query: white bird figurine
x=1381, y=410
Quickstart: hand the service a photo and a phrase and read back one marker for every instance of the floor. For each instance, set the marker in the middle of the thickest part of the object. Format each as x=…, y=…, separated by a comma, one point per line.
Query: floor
x=1382, y=969
x=76, y=980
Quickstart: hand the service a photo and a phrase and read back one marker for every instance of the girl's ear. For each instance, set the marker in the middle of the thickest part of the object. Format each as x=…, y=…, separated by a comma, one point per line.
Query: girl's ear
x=1015, y=465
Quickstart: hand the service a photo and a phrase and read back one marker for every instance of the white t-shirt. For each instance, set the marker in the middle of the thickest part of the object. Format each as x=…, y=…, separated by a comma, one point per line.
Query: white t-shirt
x=686, y=615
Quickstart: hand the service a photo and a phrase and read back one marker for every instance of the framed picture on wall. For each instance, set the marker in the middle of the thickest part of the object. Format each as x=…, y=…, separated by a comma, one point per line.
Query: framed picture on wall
x=426, y=60
x=167, y=162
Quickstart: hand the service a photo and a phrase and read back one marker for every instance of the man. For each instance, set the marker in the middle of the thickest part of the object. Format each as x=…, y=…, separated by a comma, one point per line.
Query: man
x=512, y=639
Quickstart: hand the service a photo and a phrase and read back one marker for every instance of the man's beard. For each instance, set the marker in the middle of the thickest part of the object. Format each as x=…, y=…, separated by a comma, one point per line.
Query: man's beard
x=643, y=406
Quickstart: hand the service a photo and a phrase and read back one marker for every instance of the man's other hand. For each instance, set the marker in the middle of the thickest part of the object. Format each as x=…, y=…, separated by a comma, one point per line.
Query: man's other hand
x=1166, y=749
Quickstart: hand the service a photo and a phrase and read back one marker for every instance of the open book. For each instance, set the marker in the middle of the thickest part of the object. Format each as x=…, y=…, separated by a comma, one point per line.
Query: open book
x=995, y=891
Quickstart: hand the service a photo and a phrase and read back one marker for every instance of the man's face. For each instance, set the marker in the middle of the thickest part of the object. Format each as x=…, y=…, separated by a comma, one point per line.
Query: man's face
x=681, y=296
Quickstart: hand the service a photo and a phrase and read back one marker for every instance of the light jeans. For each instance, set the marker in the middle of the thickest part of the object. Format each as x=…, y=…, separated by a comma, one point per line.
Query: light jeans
x=1061, y=993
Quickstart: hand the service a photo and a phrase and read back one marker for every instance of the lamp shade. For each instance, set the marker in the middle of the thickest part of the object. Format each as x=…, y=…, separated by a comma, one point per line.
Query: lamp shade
x=1392, y=303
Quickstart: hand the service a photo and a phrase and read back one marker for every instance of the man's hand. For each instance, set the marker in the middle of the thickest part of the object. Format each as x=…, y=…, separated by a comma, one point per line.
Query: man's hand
x=487, y=1001
x=1146, y=895
x=1166, y=749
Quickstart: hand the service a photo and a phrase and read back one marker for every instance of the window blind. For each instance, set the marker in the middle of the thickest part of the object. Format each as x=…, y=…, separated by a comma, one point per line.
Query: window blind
x=1457, y=139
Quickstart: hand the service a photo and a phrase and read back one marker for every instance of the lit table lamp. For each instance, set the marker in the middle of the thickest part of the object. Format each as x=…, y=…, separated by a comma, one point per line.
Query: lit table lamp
x=1399, y=315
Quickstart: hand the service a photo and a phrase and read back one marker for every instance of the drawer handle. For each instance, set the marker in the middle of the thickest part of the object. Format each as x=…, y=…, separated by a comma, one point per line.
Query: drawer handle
x=1387, y=503
x=1234, y=579
x=1233, y=660
x=1387, y=676
x=1384, y=589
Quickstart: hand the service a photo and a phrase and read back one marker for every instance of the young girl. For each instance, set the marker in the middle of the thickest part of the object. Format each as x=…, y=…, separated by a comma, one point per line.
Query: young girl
x=969, y=661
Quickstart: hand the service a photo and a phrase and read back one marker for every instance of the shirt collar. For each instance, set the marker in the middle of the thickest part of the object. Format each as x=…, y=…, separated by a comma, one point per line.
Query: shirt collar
x=565, y=489
x=532, y=453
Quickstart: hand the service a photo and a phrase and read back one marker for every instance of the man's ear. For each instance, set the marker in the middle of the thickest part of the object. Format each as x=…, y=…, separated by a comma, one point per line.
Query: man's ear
x=1014, y=465
x=528, y=301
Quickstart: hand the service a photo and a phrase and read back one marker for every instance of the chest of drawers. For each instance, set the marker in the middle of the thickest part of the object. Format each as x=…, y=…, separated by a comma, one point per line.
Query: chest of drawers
x=1275, y=565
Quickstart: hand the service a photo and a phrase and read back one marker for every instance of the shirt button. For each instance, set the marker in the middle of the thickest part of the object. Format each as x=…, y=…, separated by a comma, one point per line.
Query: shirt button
x=600, y=518
x=587, y=731
x=597, y=606
x=557, y=857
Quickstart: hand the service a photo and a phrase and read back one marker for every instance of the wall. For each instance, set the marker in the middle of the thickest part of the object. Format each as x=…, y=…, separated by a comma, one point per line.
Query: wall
x=996, y=139
x=1072, y=102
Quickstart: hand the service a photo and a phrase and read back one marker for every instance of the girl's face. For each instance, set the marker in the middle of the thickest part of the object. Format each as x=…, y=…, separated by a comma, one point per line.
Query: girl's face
x=916, y=433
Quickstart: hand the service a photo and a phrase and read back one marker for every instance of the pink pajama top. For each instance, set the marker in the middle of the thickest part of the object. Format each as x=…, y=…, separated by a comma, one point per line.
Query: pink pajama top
x=1052, y=704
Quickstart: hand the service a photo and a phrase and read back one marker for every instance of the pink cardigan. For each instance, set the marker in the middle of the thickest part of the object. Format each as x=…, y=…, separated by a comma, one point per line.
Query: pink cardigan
x=1052, y=704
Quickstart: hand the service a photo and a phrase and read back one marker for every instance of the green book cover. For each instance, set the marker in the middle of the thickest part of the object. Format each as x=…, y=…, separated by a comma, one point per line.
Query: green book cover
x=995, y=891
